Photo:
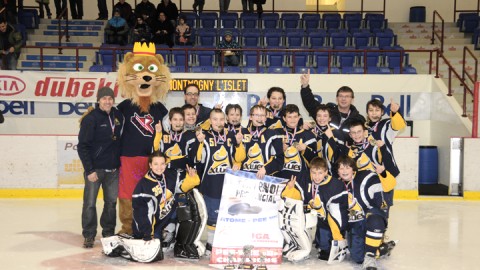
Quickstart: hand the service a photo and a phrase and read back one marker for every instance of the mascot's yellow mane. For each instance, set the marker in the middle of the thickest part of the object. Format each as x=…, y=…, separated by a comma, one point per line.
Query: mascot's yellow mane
x=143, y=76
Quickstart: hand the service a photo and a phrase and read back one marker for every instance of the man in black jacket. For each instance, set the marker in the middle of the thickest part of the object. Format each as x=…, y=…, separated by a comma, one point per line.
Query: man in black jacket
x=191, y=94
x=341, y=113
x=99, y=150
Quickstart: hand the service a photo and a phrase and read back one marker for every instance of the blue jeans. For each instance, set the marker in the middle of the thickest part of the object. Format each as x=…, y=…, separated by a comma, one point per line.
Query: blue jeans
x=323, y=236
x=109, y=183
x=8, y=61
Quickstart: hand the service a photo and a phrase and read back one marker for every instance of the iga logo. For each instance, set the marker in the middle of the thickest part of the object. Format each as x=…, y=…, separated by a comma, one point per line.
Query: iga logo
x=10, y=85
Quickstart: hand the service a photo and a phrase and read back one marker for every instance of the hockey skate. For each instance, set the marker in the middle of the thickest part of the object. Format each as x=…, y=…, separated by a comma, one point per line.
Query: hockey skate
x=385, y=249
x=369, y=263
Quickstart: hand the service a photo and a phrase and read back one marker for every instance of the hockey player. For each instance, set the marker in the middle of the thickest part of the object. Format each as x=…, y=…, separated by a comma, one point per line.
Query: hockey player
x=341, y=113
x=263, y=146
x=180, y=150
x=368, y=154
x=234, y=117
x=367, y=218
x=153, y=204
x=385, y=130
x=216, y=152
x=327, y=196
x=299, y=145
x=190, y=114
x=327, y=145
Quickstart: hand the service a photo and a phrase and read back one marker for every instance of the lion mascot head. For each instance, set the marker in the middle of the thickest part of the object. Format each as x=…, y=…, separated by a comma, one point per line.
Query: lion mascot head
x=143, y=76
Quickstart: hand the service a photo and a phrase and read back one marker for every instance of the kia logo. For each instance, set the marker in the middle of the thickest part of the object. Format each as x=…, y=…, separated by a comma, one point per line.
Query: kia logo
x=10, y=86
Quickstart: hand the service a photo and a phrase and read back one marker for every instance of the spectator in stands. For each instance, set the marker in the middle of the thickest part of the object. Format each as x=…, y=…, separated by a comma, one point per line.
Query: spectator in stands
x=182, y=31
x=199, y=4
x=60, y=5
x=10, y=14
x=259, y=4
x=117, y=29
x=102, y=10
x=10, y=44
x=145, y=8
x=224, y=4
x=229, y=55
x=163, y=30
x=76, y=9
x=142, y=31
x=170, y=10
x=247, y=6
x=44, y=4
x=125, y=12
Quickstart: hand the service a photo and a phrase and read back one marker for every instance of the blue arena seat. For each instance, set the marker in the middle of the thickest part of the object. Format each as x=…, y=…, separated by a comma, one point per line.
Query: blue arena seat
x=311, y=21
x=339, y=40
x=290, y=20
x=352, y=21
x=207, y=39
x=273, y=40
x=248, y=20
x=332, y=21
x=270, y=20
x=295, y=39
x=100, y=68
x=251, y=39
x=229, y=20
x=317, y=39
x=361, y=40
x=191, y=19
x=208, y=20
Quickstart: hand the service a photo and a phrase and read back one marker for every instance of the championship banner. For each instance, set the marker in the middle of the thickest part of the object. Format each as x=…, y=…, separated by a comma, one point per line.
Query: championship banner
x=247, y=225
x=70, y=168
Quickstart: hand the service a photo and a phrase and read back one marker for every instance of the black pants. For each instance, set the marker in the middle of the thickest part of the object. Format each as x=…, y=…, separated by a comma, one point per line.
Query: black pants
x=102, y=9
x=76, y=9
x=59, y=6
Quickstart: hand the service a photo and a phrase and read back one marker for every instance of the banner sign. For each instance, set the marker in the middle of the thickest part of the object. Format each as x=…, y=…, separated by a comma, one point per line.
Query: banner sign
x=70, y=168
x=211, y=85
x=248, y=216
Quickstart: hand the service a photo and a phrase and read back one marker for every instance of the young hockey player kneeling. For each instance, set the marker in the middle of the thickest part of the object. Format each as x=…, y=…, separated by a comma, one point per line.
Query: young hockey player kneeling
x=328, y=200
x=153, y=202
x=367, y=216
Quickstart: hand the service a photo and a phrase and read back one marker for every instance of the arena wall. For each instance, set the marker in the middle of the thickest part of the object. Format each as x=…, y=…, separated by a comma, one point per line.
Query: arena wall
x=38, y=137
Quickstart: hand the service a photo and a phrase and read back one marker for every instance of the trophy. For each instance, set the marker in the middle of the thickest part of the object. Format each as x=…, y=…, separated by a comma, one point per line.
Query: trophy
x=262, y=265
x=246, y=262
x=230, y=264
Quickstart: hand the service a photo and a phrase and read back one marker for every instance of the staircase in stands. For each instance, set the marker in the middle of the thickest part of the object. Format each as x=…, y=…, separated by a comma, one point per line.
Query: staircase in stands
x=418, y=36
x=85, y=33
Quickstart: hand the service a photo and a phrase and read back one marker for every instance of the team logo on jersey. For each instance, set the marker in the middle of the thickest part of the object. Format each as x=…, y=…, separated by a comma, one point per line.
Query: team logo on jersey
x=363, y=163
x=220, y=162
x=293, y=160
x=276, y=125
x=319, y=145
x=255, y=159
x=355, y=211
x=174, y=151
x=144, y=124
x=317, y=204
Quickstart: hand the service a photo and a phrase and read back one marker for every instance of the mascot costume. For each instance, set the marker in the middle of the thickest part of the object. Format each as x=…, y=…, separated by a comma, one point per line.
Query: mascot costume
x=144, y=80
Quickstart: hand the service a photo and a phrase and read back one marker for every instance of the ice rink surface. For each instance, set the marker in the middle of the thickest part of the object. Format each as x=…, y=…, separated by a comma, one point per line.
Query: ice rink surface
x=46, y=234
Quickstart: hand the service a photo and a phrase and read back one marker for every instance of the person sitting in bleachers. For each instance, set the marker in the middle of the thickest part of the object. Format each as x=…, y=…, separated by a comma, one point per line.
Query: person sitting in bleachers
x=170, y=10
x=125, y=12
x=182, y=32
x=141, y=32
x=162, y=30
x=230, y=56
x=117, y=29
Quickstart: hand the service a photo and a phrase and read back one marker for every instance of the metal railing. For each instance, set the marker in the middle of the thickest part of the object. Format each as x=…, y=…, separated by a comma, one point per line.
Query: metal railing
x=64, y=33
x=455, y=10
x=434, y=33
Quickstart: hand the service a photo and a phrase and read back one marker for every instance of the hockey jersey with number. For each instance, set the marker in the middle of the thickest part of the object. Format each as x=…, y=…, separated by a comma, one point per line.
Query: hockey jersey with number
x=214, y=155
x=179, y=147
x=152, y=202
x=296, y=161
x=263, y=148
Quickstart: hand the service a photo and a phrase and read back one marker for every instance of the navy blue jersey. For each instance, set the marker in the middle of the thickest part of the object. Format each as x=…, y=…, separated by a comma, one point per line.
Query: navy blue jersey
x=152, y=200
x=214, y=155
x=179, y=147
x=327, y=148
x=139, y=130
x=364, y=193
x=263, y=148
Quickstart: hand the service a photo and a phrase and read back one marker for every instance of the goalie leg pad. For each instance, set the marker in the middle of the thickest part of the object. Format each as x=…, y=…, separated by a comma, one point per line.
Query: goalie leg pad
x=190, y=227
x=133, y=249
x=338, y=251
x=292, y=225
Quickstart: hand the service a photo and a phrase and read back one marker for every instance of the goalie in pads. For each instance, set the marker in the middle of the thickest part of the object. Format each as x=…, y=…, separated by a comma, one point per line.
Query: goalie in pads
x=326, y=199
x=153, y=203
